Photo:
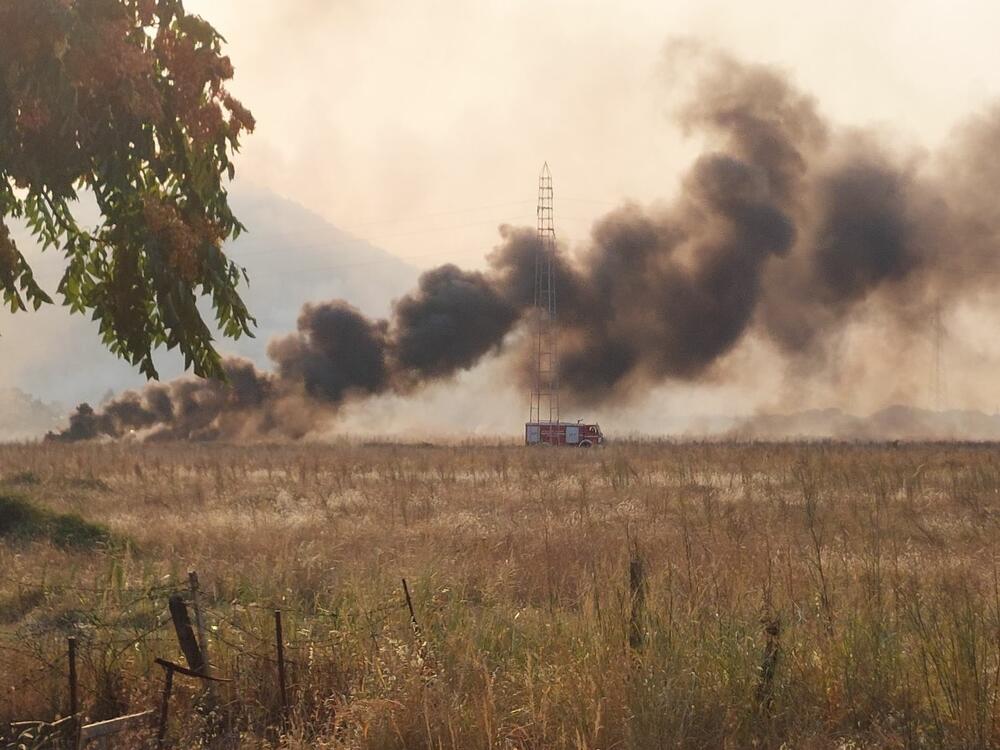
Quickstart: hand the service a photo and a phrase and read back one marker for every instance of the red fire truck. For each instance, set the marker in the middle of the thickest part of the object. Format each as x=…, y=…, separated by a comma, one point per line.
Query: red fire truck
x=563, y=433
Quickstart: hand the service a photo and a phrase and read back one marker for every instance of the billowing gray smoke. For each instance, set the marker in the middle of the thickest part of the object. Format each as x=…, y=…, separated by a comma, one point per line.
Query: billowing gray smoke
x=184, y=409
x=337, y=351
x=451, y=320
x=785, y=227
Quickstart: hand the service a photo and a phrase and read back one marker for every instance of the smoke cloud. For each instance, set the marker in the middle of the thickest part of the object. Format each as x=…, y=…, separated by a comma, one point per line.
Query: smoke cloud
x=184, y=409
x=786, y=228
x=449, y=323
x=336, y=352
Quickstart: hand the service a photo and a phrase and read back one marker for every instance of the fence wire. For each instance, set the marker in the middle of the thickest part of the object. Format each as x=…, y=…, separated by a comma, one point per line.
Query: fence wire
x=40, y=646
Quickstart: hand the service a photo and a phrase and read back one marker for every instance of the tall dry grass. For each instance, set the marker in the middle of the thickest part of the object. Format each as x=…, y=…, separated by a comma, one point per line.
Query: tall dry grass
x=874, y=567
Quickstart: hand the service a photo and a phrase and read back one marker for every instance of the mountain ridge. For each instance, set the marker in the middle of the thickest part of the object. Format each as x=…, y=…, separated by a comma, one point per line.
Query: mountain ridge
x=292, y=255
x=24, y=417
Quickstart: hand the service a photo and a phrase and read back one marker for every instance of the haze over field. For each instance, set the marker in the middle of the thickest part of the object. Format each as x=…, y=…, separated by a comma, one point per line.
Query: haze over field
x=661, y=126
x=623, y=377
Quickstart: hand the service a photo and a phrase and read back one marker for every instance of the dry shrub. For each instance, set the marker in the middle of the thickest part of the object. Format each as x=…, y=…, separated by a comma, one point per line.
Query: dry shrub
x=878, y=562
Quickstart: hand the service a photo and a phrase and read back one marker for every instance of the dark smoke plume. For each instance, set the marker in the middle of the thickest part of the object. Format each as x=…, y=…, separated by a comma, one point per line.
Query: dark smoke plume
x=184, y=409
x=336, y=352
x=786, y=228
x=449, y=323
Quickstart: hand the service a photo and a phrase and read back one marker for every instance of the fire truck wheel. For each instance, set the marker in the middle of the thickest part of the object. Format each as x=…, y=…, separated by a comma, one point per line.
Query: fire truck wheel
x=585, y=444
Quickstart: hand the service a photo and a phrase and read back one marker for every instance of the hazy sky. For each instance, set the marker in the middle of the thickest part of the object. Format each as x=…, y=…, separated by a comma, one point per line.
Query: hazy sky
x=422, y=125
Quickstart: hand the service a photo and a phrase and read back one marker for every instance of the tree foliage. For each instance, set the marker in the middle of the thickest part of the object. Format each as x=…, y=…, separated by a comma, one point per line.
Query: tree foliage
x=123, y=101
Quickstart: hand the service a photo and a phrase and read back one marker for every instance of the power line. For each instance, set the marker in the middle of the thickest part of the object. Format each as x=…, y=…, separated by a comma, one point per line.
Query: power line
x=356, y=263
x=414, y=217
x=372, y=261
x=453, y=212
x=239, y=255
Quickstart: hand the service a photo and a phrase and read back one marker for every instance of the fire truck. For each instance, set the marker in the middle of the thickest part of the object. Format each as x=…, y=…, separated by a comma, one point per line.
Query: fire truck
x=563, y=433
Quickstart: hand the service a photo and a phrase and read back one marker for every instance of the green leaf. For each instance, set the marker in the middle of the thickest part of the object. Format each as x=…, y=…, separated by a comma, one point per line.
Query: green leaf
x=124, y=274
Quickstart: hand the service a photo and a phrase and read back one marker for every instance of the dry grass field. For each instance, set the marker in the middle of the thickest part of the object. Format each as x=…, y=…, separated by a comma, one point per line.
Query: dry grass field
x=639, y=596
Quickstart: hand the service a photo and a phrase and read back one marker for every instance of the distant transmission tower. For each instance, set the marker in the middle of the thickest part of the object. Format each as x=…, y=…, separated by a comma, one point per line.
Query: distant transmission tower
x=545, y=393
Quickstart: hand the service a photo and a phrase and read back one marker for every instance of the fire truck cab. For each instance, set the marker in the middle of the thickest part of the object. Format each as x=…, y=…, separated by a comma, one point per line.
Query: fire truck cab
x=563, y=433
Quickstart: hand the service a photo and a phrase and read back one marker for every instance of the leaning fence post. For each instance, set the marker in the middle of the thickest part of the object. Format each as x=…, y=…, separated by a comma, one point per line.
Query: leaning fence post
x=422, y=646
x=198, y=622
x=207, y=704
x=409, y=605
x=280, y=644
x=185, y=634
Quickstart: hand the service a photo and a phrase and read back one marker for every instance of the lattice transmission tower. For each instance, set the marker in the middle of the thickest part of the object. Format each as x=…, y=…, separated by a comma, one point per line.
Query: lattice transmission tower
x=545, y=392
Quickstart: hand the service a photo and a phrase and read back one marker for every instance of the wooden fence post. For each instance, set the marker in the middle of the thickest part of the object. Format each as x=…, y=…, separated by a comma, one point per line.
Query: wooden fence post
x=74, y=691
x=168, y=684
x=199, y=623
x=74, y=704
x=280, y=644
x=185, y=634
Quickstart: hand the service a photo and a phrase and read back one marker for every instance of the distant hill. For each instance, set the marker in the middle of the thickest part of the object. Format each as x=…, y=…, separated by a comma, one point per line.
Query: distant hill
x=292, y=256
x=23, y=417
x=892, y=423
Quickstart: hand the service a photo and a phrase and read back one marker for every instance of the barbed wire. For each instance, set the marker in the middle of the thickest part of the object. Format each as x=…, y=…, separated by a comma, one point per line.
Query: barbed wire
x=100, y=628
x=266, y=640
x=243, y=652
x=385, y=608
